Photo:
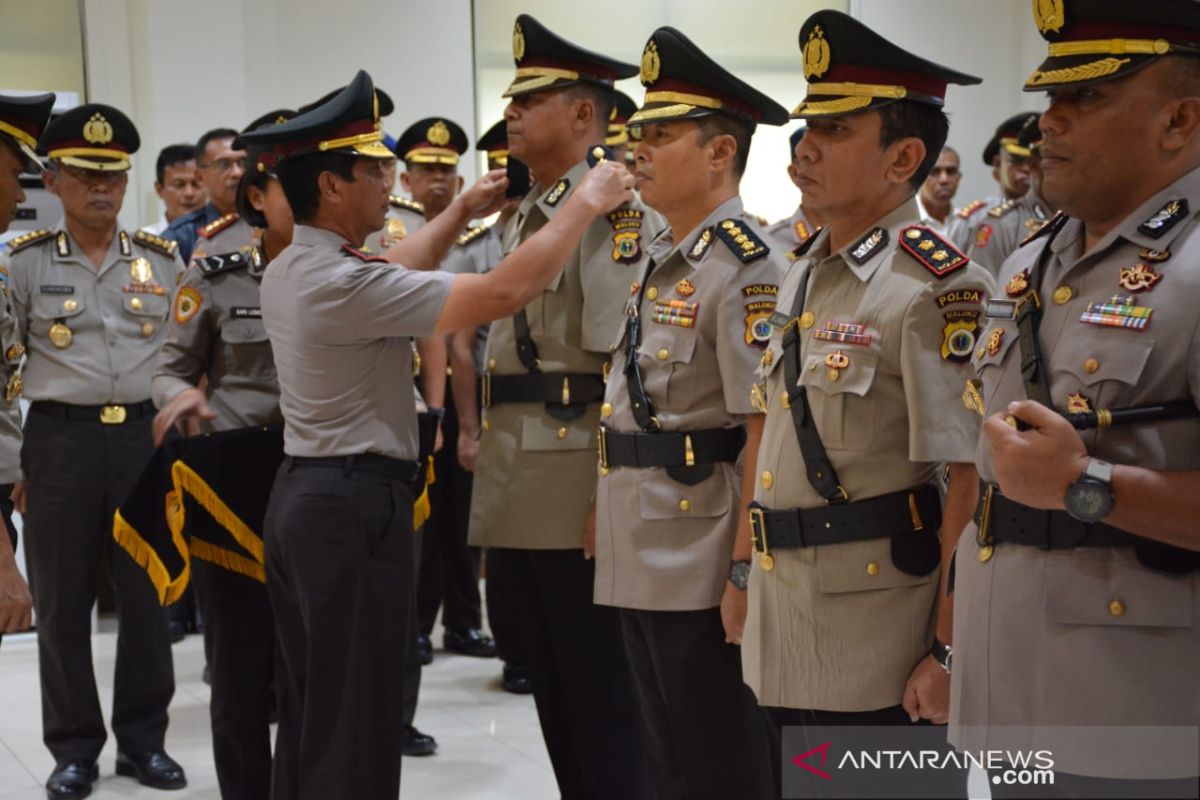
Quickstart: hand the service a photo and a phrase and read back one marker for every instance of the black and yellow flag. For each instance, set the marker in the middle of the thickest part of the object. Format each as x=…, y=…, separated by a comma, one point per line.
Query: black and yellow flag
x=201, y=497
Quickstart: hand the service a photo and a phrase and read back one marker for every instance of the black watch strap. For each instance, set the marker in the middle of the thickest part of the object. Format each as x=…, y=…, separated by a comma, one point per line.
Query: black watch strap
x=942, y=653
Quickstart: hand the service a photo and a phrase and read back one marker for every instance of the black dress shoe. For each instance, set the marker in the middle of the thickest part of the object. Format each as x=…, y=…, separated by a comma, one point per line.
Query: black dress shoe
x=72, y=779
x=425, y=649
x=155, y=769
x=471, y=642
x=417, y=743
x=516, y=680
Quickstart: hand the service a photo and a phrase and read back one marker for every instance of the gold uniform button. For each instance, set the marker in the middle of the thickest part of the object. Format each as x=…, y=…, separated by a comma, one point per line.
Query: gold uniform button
x=985, y=553
x=1062, y=295
x=808, y=319
x=562, y=433
x=491, y=363
x=136, y=304
x=487, y=426
x=148, y=329
x=1116, y=608
x=1090, y=366
x=603, y=472
x=980, y=353
x=685, y=505
x=663, y=354
x=768, y=480
x=606, y=410
x=70, y=305
x=872, y=568
x=652, y=293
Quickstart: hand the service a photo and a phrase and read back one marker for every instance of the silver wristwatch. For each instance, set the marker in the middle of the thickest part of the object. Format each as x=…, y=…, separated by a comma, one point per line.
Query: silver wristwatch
x=1090, y=498
x=739, y=574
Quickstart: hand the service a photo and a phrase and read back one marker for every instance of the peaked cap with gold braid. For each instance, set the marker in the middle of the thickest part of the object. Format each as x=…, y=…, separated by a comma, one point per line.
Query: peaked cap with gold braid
x=545, y=60
x=92, y=136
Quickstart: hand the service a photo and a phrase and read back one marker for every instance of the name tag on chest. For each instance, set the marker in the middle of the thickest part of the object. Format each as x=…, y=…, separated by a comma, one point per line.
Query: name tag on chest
x=51, y=289
x=245, y=312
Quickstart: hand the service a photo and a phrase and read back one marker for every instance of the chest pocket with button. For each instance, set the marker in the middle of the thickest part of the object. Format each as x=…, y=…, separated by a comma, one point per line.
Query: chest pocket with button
x=247, y=346
x=840, y=406
x=1106, y=367
x=1109, y=587
x=661, y=498
x=666, y=360
x=863, y=566
x=47, y=309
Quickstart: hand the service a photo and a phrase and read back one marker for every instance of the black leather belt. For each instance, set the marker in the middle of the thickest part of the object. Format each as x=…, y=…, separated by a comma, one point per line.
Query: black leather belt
x=564, y=388
x=670, y=449
x=372, y=463
x=1004, y=520
x=108, y=414
x=880, y=517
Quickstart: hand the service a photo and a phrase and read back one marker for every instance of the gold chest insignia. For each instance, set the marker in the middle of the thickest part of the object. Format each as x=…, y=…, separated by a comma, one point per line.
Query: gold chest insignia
x=141, y=271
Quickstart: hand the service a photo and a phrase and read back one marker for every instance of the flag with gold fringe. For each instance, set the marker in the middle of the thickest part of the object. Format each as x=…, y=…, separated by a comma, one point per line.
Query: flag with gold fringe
x=201, y=497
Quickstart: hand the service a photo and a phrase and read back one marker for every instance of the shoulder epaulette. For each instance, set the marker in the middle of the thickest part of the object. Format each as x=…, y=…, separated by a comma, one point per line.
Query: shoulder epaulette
x=801, y=249
x=217, y=225
x=28, y=239
x=1052, y=224
x=403, y=202
x=936, y=254
x=1002, y=209
x=164, y=246
x=361, y=256
x=744, y=242
x=215, y=265
x=473, y=234
x=970, y=208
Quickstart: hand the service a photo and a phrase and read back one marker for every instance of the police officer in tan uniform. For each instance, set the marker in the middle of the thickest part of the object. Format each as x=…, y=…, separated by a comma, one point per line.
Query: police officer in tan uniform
x=21, y=122
x=673, y=424
x=862, y=384
x=339, y=523
x=541, y=393
x=793, y=231
x=227, y=234
x=1009, y=223
x=92, y=301
x=216, y=330
x=221, y=167
x=1010, y=168
x=1077, y=595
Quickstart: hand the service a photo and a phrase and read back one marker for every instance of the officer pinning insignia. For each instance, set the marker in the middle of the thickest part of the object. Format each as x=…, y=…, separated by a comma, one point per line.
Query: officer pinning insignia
x=361, y=256
x=958, y=336
x=972, y=396
x=1165, y=218
x=187, y=304
x=1078, y=404
x=211, y=266
x=862, y=250
x=933, y=252
x=28, y=239
x=473, y=234
x=701, y=245
x=556, y=194
x=744, y=243
x=1122, y=311
x=679, y=313
x=164, y=246
x=844, y=333
x=1018, y=284
x=1139, y=278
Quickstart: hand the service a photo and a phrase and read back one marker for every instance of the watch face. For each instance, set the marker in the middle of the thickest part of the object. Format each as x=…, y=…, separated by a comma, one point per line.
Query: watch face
x=1089, y=500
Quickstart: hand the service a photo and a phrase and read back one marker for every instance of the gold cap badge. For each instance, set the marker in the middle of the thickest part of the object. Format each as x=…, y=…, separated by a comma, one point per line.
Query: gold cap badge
x=518, y=42
x=816, y=54
x=1049, y=15
x=97, y=130
x=651, y=63
x=438, y=134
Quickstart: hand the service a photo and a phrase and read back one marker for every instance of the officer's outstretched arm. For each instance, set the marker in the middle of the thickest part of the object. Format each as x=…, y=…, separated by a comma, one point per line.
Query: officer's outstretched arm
x=526, y=271
x=427, y=247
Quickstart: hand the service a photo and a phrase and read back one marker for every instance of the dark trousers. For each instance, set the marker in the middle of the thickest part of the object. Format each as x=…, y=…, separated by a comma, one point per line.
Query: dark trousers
x=449, y=568
x=585, y=699
x=1080, y=786
x=412, y=655
x=952, y=782
x=503, y=614
x=706, y=735
x=239, y=636
x=6, y=511
x=339, y=575
x=79, y=472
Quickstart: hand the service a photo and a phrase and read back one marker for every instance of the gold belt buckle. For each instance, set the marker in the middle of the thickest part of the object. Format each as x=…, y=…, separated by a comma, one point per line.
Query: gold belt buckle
x=603, y=441
x=485, y=398
x=758, y=537
x=112, y=415
x=982, y=536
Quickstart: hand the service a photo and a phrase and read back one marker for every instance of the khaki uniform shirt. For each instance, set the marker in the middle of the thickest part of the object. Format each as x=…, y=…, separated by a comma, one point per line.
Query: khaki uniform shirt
x=962, y=224
x=341, y=328
x=1004, y=228
x=663, y=545
x=793, y=231
x=228, y=234
x=91, y=335
x=404, y=217
x=1038, y=639
x=839, y=627
x=10, y=410
x=216, y=329
x=535, y=477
